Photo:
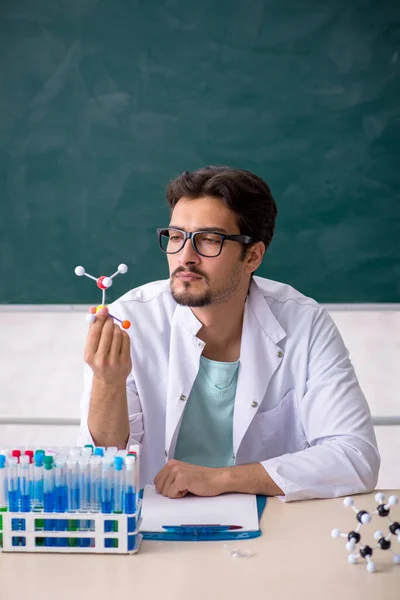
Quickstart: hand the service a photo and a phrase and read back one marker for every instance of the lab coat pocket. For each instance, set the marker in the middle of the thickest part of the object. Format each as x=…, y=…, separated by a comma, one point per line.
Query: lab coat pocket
x=280, y=429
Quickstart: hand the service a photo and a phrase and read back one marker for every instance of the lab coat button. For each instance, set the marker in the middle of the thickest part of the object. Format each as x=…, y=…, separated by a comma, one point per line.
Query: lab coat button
x=280, y=354
x=182, y=397
x=254, y=404
x=165, y=454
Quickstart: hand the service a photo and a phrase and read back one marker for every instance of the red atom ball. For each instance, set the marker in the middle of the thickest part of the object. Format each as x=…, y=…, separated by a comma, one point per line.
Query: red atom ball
x=100, y=282
x=126, y=324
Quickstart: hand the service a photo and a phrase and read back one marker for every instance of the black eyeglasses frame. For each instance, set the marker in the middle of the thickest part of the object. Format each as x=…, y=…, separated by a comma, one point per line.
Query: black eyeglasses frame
x=189, y=235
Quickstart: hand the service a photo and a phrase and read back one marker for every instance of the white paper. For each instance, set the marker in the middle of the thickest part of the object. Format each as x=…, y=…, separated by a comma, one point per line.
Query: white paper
x=227, y=509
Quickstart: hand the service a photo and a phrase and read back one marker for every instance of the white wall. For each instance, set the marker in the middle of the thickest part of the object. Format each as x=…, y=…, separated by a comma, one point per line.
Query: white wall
x=41, y=368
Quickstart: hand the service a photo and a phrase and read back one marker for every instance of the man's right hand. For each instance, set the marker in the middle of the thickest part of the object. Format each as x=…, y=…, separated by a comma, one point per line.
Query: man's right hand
x=107, y=350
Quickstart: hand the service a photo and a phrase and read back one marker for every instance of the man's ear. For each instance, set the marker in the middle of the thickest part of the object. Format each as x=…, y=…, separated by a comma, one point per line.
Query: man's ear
x=254, y=255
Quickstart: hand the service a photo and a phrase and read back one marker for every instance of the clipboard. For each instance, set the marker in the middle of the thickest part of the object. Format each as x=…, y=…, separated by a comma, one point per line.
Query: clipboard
x=206, y=534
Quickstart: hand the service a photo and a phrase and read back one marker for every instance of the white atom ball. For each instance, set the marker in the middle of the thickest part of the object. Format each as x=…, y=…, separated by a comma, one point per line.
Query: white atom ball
x=393, y=500
x=352, y=558
x=107, y=282
x=348, y=501
x=122, y=268
x=366, y=518
x=79, y=271
x=371, y=566
x=90, y=318
x=335, y=533
x=396, y=559
x=350, y=546
x=378, y=535
x=380, y=497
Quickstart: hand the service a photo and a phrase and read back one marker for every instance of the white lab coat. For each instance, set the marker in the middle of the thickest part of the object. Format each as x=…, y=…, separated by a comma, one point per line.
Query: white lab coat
x=299, y=410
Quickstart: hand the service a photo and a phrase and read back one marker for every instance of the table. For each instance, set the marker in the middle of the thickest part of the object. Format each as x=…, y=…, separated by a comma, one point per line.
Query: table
x=294, y=558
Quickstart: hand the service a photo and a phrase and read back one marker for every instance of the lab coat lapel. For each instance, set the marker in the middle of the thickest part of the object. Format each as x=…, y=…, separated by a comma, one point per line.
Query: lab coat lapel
x=184, y=359
x=260, y=356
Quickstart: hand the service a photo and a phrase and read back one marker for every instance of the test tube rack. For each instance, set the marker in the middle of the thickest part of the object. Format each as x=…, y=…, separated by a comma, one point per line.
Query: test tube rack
x=71, y=532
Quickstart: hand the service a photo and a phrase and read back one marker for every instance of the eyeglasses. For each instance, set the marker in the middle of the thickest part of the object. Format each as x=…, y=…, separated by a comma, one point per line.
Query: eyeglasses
x=205, y=243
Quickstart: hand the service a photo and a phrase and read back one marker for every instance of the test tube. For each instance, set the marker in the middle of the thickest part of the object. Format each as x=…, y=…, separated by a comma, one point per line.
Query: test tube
x=95, y=483
x=48, y=485
x=3, y=483
x=118, y=484
x=106, y=484
x=13, y=492
x=38, y=500
x=71, y=484
x=24, y=483
x=130, y=485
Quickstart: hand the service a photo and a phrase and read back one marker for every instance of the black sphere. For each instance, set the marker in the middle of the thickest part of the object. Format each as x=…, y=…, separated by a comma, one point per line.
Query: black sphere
x=382, y=511
x=366, y=551
x=360, y=514
x=384, y=544
x=394, y=527
x=355, y=536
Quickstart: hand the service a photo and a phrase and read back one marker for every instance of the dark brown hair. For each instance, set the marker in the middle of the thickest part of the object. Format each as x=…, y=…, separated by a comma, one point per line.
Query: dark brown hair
x=243, y=192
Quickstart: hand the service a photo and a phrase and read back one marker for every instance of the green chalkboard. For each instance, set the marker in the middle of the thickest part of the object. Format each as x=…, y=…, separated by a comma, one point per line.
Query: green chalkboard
x=103, y=101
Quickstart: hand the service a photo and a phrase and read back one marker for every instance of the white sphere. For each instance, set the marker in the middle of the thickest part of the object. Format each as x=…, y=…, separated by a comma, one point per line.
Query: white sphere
x=398, y=537
x=90, y=318
x=371, y=566
x=122, y=268
x=393, y=500
x=79, y=271
x=348, y=501
x=350, y=546
x=396, y=559
x=379, y=497
x=352, y=558
x=107, y=282
x=335, y=533
x=378, y=535
x=366, y=518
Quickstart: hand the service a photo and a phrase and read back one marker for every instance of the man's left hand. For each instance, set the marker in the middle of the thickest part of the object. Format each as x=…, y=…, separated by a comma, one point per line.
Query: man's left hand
x=177, y=478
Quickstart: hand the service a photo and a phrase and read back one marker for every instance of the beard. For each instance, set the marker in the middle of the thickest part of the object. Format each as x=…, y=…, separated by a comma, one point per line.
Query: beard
x=187, y=296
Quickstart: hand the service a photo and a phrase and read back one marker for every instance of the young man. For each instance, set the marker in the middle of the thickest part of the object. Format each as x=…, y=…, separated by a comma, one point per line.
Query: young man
x=230, y=383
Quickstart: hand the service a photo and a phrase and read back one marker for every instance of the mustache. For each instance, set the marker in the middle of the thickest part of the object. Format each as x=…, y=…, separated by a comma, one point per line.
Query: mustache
x=193, y=270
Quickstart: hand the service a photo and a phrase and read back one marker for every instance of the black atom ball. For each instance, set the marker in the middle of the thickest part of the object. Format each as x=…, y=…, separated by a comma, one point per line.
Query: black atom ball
x=355, y=536
x=366, y=551
x=394, y=527
x=382, y=511
x=384, y=544
x=360, y=514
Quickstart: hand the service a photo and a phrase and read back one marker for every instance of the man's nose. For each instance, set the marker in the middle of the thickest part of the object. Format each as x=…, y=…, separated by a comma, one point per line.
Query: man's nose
x=188, y=255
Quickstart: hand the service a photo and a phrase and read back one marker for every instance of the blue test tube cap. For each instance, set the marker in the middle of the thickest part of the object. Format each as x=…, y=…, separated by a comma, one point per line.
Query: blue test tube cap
x=99, y=451
x=118, y=463
x=2, y=461
x=39, y=459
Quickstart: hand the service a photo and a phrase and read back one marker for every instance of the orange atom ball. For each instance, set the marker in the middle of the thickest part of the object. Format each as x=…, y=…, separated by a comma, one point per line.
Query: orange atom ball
x=126, y=324
x=92, y=310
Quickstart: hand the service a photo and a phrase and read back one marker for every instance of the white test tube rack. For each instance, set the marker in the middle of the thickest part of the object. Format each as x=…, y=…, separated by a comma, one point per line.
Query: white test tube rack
x=125, y=540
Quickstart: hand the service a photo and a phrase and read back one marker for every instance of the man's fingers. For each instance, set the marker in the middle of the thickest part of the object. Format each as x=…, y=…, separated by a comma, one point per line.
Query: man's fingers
x=125, y=346
x=161, y=477
x=168, y=483
x=116, y=344
x=106, y=337
x=94, y=335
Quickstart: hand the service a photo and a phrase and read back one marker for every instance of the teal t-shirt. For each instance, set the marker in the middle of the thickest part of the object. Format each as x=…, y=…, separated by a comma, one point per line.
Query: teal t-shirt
x=206, y=434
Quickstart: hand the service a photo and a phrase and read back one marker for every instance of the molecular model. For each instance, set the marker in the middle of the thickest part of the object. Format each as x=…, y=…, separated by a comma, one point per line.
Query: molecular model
x=363, y=518
x=103, y=283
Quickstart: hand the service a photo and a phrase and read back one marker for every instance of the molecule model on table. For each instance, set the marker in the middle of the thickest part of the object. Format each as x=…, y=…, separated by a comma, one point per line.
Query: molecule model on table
x=363, y=518
x=103, y=283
